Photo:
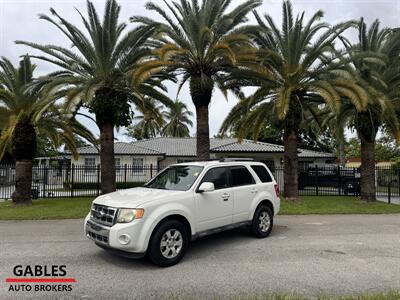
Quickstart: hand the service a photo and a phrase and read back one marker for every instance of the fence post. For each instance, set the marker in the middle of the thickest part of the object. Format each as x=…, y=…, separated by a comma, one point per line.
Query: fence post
x=316, y=180
x=398, y=180
x=151, y=171
x=98, y=179
x=125, y=171
x=355, y=193
x=72, y=180
x=339, y=180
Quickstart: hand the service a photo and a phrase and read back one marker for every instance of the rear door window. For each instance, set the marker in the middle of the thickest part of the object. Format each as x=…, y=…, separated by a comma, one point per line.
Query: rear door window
x=240, y=176
x=262, y=173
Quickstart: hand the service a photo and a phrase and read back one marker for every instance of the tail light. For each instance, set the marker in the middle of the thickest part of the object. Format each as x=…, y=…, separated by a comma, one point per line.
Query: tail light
x=277, y=192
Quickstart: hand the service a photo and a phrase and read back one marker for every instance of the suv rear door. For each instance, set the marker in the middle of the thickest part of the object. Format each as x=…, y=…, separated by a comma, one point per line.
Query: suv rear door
x=214, y=209
x=244, y=190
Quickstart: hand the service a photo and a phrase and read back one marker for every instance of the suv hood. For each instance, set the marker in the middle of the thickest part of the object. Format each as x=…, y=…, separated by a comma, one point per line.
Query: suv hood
x=133, y=198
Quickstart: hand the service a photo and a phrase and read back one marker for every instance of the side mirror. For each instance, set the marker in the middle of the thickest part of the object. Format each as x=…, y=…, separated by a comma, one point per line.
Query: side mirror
x=206, y=187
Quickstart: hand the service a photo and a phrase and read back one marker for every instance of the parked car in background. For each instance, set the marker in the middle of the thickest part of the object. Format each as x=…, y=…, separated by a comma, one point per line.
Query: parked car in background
x=184, y=202
x=347, y=180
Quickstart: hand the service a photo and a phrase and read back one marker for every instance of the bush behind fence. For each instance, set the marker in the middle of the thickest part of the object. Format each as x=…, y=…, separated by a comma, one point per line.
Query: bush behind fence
x=80, y=180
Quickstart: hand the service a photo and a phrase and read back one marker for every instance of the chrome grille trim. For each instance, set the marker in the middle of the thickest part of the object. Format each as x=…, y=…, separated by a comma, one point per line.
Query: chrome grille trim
x=98, y=233
x=104, y=215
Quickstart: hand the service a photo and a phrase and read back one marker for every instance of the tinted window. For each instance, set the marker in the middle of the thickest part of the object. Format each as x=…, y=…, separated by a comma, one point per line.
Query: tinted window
x=262, y=173
x=241, y=176
x=218, y=177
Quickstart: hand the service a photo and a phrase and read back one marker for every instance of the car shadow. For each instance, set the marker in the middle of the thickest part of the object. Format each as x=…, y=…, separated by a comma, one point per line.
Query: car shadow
x=199, y=248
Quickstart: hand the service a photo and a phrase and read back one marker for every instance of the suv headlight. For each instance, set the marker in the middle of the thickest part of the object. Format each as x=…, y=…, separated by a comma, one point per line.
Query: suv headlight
x=126, y=215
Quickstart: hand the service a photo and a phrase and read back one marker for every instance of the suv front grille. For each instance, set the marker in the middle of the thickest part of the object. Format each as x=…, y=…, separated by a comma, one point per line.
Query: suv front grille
x=98, y=237
x=103, y=214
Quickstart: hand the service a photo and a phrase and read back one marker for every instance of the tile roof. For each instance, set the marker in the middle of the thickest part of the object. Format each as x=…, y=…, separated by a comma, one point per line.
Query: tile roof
x=121, y=148
x=248, y=146
x=186, y=147
x=314, y=154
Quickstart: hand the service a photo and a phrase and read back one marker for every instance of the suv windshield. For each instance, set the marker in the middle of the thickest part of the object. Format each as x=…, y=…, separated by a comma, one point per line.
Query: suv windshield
x=178, y=178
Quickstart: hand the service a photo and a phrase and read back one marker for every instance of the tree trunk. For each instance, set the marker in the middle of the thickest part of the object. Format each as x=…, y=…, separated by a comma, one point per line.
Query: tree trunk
x=107, y=158
x=23, y=148
x=23, y=183
x=341, y=142
x=201, y=87
x=367, y=179
x=290, y=166
x=203, y=133
x=342, y=154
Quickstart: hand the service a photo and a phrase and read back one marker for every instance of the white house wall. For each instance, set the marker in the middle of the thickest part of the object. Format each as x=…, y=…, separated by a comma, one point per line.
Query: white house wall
x=132, y=173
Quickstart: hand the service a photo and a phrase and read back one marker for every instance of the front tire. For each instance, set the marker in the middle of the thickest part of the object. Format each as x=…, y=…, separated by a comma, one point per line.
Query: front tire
x=263, y=221
x=168, y=244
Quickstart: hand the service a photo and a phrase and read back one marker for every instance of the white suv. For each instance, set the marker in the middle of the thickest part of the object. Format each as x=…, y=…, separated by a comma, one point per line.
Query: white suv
x=184, y=202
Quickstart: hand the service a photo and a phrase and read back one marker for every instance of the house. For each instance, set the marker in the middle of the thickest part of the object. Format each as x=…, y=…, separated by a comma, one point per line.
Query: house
x=164, y=151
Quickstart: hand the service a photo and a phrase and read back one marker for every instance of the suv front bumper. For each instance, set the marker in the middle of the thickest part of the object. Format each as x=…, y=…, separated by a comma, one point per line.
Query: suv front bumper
x=98, y=233
x=108, y=237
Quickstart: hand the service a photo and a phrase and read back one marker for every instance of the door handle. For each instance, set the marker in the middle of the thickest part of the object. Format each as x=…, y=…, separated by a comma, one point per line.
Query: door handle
x=253, y=191
x=225, y=196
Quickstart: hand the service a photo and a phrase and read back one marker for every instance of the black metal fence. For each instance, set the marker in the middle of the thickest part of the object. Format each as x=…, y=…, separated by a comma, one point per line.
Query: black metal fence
x=80, y=181
x=74, y=180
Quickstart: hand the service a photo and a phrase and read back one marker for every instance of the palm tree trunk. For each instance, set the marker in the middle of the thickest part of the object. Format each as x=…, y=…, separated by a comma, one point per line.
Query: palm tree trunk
x=342, y=154
x=203, y=133
x=201, y=91
x=367, y=179
x=290, y=166
x=23, y=148
x=341, y=141
x=107, y=157
x=23, y=182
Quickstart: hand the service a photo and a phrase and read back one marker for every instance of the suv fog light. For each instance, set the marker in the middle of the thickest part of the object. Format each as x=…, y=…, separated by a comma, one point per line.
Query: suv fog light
x=124, y=239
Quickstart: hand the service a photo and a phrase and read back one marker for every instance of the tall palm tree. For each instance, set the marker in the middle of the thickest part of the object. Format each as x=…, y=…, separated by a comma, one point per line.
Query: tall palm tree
x=297, y=73
x=27, y=109
x=97, y=72
x=178, y=120
x=149, y=122
x=376, y=62
x=201, y=43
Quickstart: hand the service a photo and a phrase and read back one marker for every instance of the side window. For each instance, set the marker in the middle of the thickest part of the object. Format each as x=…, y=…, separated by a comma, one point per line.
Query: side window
x=241, y=176
x=262, y=173
x=218, y=176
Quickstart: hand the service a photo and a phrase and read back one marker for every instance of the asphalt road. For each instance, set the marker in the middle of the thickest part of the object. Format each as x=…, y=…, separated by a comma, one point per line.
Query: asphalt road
x=307, y=255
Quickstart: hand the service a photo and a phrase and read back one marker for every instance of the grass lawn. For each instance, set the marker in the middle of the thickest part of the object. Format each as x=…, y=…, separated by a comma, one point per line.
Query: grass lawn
x=335, y=205
x=47, y=209
x=394, y=295
x=76, y=208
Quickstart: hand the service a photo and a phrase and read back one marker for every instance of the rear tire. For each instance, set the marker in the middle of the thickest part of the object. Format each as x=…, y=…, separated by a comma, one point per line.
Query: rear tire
x=263, y=221
x=168, y=243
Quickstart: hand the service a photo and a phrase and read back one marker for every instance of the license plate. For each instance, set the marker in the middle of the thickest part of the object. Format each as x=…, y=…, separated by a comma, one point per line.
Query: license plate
x=93, y=226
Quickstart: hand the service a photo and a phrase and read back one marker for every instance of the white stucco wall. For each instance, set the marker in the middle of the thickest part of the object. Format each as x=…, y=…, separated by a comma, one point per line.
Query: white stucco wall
x=133, y=173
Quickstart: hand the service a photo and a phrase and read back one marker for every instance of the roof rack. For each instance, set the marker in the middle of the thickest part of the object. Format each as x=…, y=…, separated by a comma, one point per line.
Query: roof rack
x=236, y=159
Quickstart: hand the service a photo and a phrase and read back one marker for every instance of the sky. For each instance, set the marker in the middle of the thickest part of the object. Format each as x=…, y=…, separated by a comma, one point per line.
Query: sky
x=19, y=21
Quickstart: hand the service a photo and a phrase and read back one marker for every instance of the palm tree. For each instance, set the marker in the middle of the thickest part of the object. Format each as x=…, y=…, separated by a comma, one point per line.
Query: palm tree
x=28, y=109
x=200, y=43
x=97, y=70
x=375, y=59
x=297, y=73
x=178, y=120
x=150, y=121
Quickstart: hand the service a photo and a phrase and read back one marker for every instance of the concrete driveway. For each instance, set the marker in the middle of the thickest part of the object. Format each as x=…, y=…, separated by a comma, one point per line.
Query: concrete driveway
x=308, y=255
